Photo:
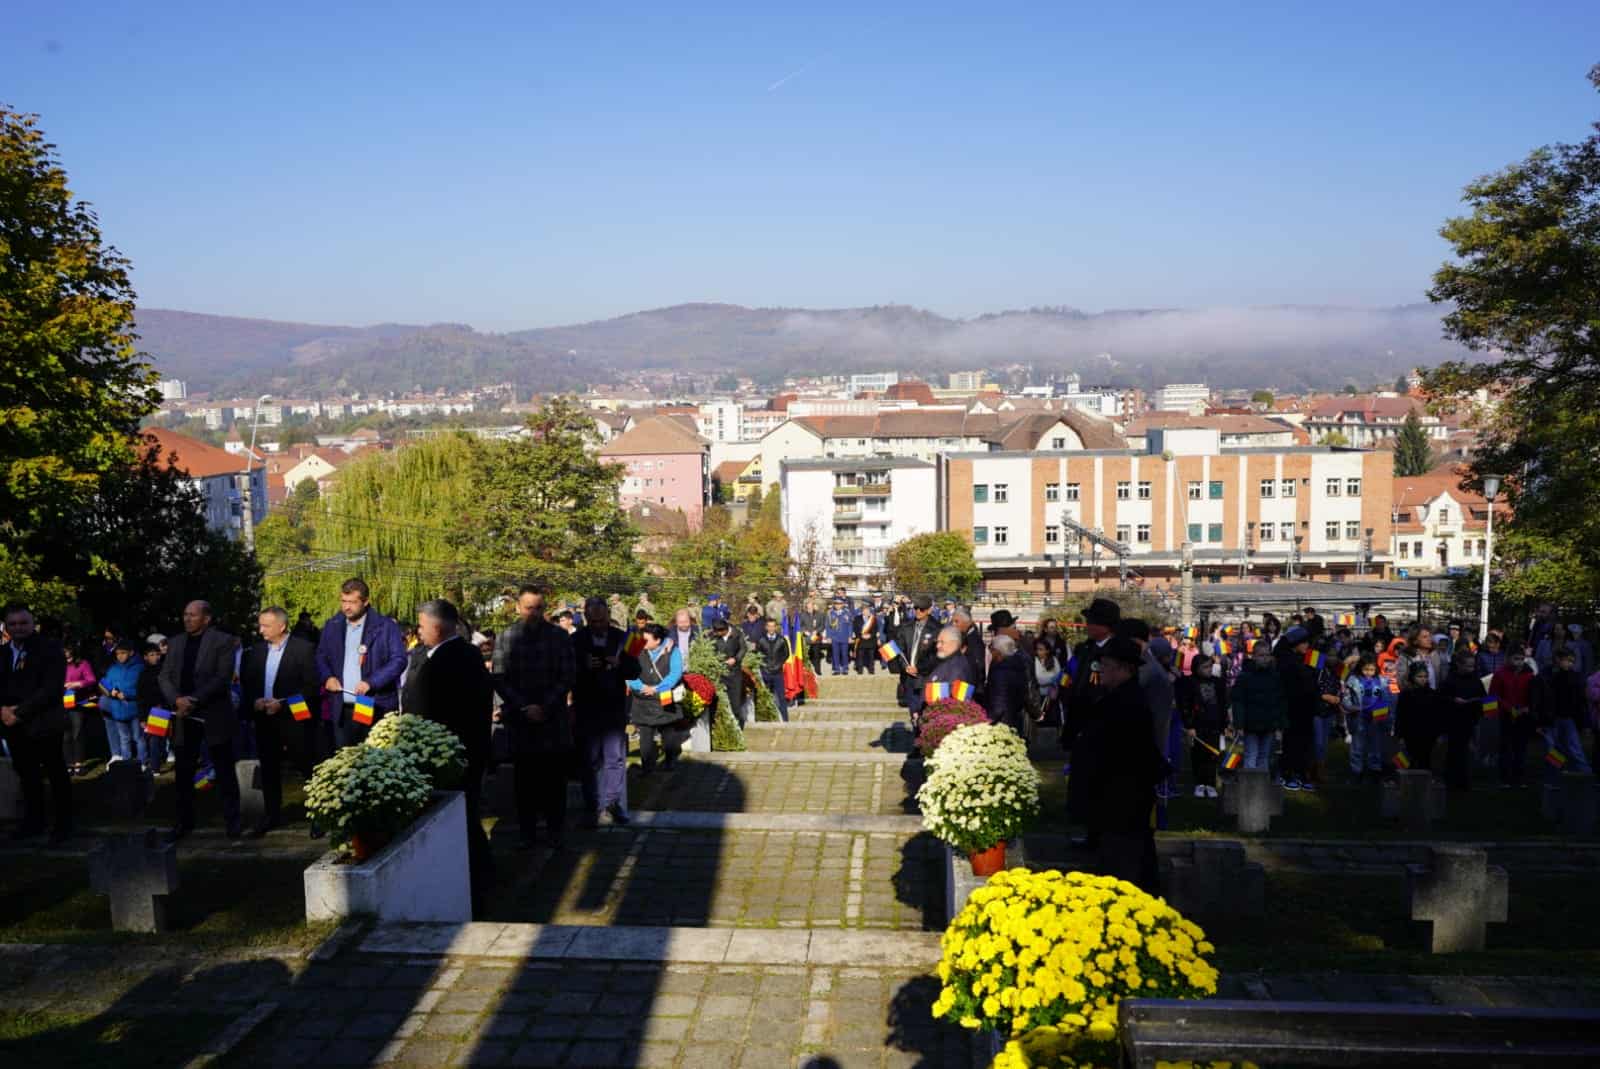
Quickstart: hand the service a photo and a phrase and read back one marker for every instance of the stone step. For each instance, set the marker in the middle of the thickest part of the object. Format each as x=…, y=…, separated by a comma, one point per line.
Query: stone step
x=851, y=737
x=878, y=785
x=845, y=714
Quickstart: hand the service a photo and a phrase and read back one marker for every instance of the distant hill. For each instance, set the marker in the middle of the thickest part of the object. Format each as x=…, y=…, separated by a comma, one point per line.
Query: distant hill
x=1291, y=347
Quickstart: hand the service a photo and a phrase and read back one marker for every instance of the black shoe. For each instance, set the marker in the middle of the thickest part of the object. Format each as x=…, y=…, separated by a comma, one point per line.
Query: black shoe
x=60, y=835
x=619, y=817
x=260, y=830
x=176, y=834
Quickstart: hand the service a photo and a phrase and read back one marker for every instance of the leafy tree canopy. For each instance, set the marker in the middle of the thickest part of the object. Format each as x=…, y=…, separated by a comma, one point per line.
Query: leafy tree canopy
x=1263, y=397
x=939, y=563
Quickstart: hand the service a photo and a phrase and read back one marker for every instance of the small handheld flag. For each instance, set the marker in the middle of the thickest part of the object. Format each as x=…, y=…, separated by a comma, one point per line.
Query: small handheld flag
x=960, y=691
x=1401, y=760
x=1491, y=707
x=1234, y=760
x=205, y=779
x=298, y=707
x=936, y=692
x=889, y=651
x=69, y=700
x=666, y=699
x=158, y=723
x=1223, y=647
x=635, y=645
x=1314, y=658
x=362, y=713
x=1347, y=619
x=1380, y=714
x=1208, y=747
x=1555, y=758
x=1192, y=633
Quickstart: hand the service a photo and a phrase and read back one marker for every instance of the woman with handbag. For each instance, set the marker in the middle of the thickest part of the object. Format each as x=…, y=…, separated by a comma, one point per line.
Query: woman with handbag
x=654, y=705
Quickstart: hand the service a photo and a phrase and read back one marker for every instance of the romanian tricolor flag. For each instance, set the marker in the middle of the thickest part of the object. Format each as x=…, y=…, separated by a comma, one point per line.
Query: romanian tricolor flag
x=1224, y=648
x=936, y=692
x=298, y=707
x=1380, y=714
x=362, y=712
x=205, y=779
x=1555, y=758
x=1192, y=633
x=889, y=651
x=960, y=691
x=666, y=698
x=158, y=723
x=1234, y=759
x=1314, y=658
x=1347, y=619
x=1249, y=645
x=1491, y=707
x=635, y=645
x=69, y=700
x=1401, y=760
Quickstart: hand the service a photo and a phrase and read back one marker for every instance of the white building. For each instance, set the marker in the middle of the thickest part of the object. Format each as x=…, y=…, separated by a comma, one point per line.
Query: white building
x=858, y=509
x=1438, y=526
x=218, y=475
x=1182, y=397
x=720, y=421
x=173, y=389
x=966, y=381
x=876, y=381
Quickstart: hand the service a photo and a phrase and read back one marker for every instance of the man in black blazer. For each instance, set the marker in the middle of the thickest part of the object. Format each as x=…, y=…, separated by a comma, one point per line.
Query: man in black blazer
x=918, y=640
x=275, y=670
x=447, y=683
x=33, y=678
x=197, y=680
x=533, y=674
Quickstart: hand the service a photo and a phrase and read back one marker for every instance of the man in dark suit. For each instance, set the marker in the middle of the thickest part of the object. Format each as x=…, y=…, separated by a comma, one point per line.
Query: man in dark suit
x=976, y=652
x=918, y=641
x=197, y=681
x=1085, y=690
x=361, y=651
x=33, y=678
x=600, y=709
x=533, y=673
x=447, y=683
x=274, y=672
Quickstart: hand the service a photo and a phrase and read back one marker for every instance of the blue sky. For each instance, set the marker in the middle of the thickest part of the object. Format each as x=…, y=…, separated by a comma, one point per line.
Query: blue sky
x=517, y=165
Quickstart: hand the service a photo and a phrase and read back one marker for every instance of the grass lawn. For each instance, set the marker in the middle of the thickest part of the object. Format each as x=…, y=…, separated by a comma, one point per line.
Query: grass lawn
x=252, y=902
x=94, y=1041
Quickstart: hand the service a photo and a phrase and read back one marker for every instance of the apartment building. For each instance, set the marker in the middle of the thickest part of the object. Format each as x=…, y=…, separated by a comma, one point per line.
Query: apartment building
x=1439, y=528
x=858, y=508
x=1250, y=513
x=1182, y=397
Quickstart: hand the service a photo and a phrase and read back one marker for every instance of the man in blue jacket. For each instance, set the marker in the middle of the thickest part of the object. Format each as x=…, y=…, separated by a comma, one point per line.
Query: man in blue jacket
x=841, y=624
x=361, y=652
x=711, y=612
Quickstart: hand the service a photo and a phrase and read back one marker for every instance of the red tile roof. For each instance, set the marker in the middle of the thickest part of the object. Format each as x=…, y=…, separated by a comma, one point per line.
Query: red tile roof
x=195, y=457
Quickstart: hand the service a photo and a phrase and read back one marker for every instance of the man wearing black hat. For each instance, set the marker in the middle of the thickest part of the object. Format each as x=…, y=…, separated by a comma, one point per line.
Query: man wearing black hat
x=731, y=647
x=1099, y=621
x=918, y=640
x=1115, y=768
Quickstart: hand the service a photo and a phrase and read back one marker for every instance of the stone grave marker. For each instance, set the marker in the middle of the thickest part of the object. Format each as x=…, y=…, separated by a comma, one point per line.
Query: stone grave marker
x=126, y=788
x=10, y=791
x=1213, y=880
x=1253, y=798
x=252, y=800
x=1460, y=893
x=137, y=872
x=1417, y=800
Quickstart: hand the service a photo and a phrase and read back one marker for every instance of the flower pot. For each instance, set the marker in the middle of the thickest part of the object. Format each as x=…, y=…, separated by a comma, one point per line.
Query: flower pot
x=990, y=861
x=364, y=846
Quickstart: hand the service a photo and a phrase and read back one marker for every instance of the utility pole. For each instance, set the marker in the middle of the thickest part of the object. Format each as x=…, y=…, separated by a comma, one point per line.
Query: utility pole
x=248, y=518
x=1186, y=580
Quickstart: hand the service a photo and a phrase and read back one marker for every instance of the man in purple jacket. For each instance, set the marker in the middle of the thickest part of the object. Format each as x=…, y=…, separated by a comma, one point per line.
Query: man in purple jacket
x=361, y=652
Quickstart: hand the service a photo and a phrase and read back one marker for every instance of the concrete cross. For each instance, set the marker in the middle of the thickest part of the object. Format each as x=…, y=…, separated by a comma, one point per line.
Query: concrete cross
x=1460, y=893
x=1253, y=798
x=137, y=872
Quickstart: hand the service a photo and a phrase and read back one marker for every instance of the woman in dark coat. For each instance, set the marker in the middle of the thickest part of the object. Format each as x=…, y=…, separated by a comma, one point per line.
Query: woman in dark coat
x=1416, y=717
x=1461, y=697
x=1008, y=684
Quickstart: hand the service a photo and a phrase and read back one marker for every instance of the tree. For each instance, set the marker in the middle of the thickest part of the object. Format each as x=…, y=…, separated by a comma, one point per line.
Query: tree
x=1402, y=385
x=939, y=564
x=1524, y=285
x=1262, y=397
x=1413, y=453
x=1335, y=438
x=285, y=542
x=73, y=387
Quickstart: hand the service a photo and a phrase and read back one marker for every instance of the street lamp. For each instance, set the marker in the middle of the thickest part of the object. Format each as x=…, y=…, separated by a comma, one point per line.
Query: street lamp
x=248, y=520
x=1491, y=490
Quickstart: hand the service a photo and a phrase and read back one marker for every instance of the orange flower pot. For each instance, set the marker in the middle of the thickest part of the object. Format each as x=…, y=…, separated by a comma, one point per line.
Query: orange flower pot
x=364, y=846
x=990, y=861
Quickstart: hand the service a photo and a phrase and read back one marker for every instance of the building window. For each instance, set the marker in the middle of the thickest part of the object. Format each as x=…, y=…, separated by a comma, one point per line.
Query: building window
x=1286, y=488
x=1405, y=550
x=1352, y=488
x=1002, y=493
x=980, y=536
x=980, y=493
x=1052, y=536
x=1444, y=516
x=1352, y=530
x=1333, y=488
x=1268, y=532
x=1144, y=491
x=1072, y=492
x=1058, y=443
x=1194, y=532
x=1269, y=487
x=1332, y=530
x=1196, y=491
x=1052, y=491
x=1214, y=532
x=1002, y=536
x=1142, y=533
x=1123, y=533
x=1124, y=491
x=1216, y=490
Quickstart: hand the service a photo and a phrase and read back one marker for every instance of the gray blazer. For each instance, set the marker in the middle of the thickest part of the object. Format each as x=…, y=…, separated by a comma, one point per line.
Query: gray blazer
x=213, y=678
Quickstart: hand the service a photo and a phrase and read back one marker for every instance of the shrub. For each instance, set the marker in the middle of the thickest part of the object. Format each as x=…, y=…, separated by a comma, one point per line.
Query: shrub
x=766, y=705
x=432, y=747
x=981, y=788
x=940, y=718
x=1043, y=958
x=371, y=791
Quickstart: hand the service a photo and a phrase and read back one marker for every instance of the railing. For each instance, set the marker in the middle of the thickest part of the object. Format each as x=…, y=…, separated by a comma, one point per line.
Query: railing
x=847, y=491
x=876, y=489
x=852, y=513
x=849, y=543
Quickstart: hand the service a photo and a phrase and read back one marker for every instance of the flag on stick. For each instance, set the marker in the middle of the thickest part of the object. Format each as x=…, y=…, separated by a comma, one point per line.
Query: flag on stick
x=69, y=700
x=1380, y=714
x=362, y=713
x=1555, y=758
x=1234, y=760
x=936, y=692
x=1314, y=658
x=1491, y=707
x=635, y=645
x=1401, y=760
x=298, y=707
x=205, y=779
x=158, y=723
x=889, y=651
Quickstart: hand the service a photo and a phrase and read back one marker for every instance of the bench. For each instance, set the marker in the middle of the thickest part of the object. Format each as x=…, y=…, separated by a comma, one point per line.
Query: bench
x=1353, y=1033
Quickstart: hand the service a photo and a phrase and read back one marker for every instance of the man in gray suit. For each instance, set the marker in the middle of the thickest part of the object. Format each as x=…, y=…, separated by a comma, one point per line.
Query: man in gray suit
x=196, y=679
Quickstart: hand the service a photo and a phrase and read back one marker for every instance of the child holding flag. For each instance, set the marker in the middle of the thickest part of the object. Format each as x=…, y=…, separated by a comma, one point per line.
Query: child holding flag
x=1416, y=717
x=1367, y=702
x=1561, y=704
x=149, y=699
x=1202, y=700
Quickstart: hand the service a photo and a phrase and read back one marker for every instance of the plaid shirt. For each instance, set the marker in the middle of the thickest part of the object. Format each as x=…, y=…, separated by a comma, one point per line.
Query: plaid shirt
x=533, y=665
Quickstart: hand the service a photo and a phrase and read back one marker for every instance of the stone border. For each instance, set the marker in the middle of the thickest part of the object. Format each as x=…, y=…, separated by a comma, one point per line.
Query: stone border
x=825, y=725
x=695, y=820
x=225, y=1042
x=741, y=946
x=785, y=757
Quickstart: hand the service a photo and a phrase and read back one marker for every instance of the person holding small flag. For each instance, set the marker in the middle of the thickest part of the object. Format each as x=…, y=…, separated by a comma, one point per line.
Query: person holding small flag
x=1417, y=719
x=1369, y=704
x=952, y=666
x=918, y=644
x=80, y=692
x=654, y=708
x=1257, y=706
x=33, y=720
x=1511, y=688
x=279, y=690
x=150, y=700
x=119, y=685
x=1560, y=704
x=196, y=683
x=361, y=655
x=1461, y=698
x=1202, y=705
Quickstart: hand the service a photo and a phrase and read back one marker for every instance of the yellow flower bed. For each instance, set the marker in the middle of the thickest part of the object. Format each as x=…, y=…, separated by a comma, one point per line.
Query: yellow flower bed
x=1044, y=957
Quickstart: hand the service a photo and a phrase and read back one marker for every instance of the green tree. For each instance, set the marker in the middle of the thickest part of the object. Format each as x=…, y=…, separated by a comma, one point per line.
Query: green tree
x=73, y=387
x=285, y=544
x=1334, y=438
x=1262, y=397
x=937, y=563
x=1413, y=453
x=1525, y=285
x=1402, y=385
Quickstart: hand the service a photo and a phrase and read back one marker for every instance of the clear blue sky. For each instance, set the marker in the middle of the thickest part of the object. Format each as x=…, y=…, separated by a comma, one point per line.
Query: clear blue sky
x=508, y=166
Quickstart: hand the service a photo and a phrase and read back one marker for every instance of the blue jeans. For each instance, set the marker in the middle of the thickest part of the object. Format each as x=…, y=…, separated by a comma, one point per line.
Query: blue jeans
x=1257, y=749
x=605, y=775
x=1366, y=743
x=839, y=656
x=774, y=683
x=1320, y=726
x=125, y=739
x=1564, y=737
